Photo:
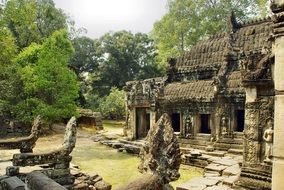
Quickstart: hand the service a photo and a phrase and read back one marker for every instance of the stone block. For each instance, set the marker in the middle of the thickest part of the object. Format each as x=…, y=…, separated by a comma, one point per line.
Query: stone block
x=12, y=183
x=226, y=162
x=37, y=180
x=231, y=180
x=215, y=167
x=12, y=170
x=232, y=170
x=102, y=185
x=222, y=187
x=197, y=184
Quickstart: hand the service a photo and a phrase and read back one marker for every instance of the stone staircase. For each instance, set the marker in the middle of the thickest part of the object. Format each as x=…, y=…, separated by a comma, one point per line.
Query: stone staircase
x=221, y=173
x=202, y=141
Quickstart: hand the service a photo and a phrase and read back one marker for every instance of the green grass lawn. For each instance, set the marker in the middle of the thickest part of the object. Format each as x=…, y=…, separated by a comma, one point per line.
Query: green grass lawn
x=113, y=125
x=115, y=167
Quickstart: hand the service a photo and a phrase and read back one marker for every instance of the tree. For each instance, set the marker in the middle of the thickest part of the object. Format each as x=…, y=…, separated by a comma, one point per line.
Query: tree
x=50, y=88
x=189, y=21
x=8, y=78
x=85, y=61
x=113, y=105
x=126, y=57
x=33, y=20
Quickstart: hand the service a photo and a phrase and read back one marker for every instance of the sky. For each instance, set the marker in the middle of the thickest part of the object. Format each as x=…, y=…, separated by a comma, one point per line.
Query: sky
x=102, y=16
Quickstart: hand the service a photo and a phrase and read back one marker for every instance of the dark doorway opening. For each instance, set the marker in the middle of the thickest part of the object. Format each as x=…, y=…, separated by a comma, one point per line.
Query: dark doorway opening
x=240, y=120
x=205, y=123
x=176, y=122
x=142, y=122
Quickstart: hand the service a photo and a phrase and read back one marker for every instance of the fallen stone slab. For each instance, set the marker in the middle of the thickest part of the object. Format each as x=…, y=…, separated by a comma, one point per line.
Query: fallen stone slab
x=215, y=167
x=197, y=184
x=222, y=187
x=211, y=174
x=219, y=178
x=117, y=145
x=131, y=149
x=225, y=161
x=232, y=170
x=190, y=187
x=231, y=180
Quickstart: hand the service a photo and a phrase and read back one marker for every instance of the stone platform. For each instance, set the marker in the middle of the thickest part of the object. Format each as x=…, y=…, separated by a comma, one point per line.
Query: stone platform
x=220, y=172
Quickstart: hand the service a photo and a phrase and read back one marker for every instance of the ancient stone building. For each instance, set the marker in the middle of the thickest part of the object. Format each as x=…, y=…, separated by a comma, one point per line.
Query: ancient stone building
x=222, y=95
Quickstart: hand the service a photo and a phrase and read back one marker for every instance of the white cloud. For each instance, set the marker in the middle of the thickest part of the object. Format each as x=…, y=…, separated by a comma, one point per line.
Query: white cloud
x=101, y=16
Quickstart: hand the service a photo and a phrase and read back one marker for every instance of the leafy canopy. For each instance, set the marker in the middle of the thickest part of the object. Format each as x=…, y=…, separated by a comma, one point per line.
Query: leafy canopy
x=113, y=104
x=33, y=20
x=125, y=57
x=49, y=86
x=189, y=21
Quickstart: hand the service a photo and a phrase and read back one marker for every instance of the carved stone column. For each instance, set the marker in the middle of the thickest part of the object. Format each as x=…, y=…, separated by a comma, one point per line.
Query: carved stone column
x=256, y=173
x=277, y=7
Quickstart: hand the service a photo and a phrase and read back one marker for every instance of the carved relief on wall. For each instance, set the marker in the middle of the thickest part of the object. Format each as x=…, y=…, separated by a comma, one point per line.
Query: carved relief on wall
x=251, y=124
x=251, y=133
x=223, y=128
x=259, y=130
x=251, y=151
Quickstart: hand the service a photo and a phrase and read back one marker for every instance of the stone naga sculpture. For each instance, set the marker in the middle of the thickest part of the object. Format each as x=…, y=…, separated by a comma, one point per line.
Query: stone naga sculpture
x=59, y=155
x=161, y=158
x=25, y=144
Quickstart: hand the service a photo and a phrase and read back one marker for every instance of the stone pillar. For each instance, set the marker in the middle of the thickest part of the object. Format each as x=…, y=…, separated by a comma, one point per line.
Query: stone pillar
x=152, y=118
x=132, y=122
x=277, y=7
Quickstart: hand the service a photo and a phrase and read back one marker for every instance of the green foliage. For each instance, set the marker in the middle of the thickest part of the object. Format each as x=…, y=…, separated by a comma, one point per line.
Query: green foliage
x=7, y=70
x=189, y=21
x=33, y=20
x=87, y=55
x=113, y=105
x=49, y=87
x=125, y=57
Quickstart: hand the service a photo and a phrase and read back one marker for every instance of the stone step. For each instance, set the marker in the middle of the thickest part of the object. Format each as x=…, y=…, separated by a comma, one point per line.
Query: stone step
x=196, y=142
x=222, y=146
x=236, y=151
x=237, y=146
x=215, y=168
x=238, y=135
x=201, y=147
x=231, y=141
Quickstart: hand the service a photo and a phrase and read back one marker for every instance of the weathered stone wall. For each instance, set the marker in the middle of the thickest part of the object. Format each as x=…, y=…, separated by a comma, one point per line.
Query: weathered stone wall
x=278, y=144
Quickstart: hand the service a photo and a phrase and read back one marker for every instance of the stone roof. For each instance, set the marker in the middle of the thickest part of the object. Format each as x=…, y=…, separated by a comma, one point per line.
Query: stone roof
x=254, y=37
x=202, y=90
x=234, y=83
x=212, y=51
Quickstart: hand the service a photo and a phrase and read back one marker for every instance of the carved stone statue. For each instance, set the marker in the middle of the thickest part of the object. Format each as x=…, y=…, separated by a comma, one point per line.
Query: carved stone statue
x=224, y=125
x=160, y=158
x=188, y=127
x=268, y=138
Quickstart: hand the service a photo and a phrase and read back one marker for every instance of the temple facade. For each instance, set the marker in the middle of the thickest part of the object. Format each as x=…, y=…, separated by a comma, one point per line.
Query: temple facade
x=221, y=95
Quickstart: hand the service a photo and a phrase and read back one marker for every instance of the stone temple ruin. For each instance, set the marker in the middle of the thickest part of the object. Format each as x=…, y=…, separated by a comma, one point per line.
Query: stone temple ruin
x=225, y=94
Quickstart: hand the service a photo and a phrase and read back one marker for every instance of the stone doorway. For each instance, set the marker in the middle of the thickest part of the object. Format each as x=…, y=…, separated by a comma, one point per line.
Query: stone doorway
x=176, y=122
x=240, y=114
x=205, y=123
x=142, y=122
